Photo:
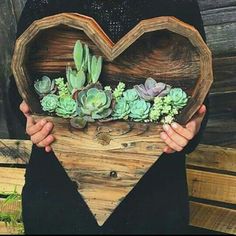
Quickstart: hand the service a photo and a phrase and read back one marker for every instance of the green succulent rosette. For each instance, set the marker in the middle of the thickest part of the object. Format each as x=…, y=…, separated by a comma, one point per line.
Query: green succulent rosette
x=94, y=103
x=44, y=86
x=179, y=98
x=139, y=110
x=50, y=102
x=130, y=95
x=66, y=107
x=121, y=110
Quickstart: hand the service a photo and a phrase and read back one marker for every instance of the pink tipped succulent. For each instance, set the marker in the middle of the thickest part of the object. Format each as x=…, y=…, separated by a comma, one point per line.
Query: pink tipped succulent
x=152, y=89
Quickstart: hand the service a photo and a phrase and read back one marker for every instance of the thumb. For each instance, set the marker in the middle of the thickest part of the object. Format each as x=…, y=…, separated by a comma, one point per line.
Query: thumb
x=25, y=109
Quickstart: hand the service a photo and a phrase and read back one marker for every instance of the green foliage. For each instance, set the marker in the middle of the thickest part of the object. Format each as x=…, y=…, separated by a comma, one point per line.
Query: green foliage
x=83, y=99
x=62, y=87
x=44, y=86
x=179, y=97
x=139, y=110
x=66, y=107
x=78, y=122
x=163, y=110
x=94, y=69
x=94, y=103
x=50, y=102
x=121, y=110
x=130, y=95
x=76, y=80
x=118, y=92
x=13, y=220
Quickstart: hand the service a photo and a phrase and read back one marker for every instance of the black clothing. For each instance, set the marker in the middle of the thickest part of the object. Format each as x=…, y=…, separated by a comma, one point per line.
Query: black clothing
x=159, y=202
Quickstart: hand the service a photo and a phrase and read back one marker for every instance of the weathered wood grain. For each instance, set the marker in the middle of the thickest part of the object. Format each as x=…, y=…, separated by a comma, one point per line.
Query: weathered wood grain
x=15, y=151
x=213, y=218
x=213, y=157
x=212, y=186
x=219, y=21
x=213, y=4
x=221, y=131
x=11, y=179
x=8, y=230
x=106, y=160
x=224, y=75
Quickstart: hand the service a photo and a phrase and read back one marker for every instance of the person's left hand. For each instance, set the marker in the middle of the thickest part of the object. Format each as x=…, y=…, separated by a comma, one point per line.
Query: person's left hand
x=177, y=137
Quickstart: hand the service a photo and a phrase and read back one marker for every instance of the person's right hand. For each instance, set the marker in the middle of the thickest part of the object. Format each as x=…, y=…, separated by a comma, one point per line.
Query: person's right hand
x=39, y=131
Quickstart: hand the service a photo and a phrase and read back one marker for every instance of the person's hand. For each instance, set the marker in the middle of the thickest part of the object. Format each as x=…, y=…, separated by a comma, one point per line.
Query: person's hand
x=177, y=137
x=39, y=131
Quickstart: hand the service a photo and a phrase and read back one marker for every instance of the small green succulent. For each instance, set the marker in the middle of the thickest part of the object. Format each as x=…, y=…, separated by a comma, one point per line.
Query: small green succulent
x=94, y=69
x=121, y=110
x=94, y=103
x=139, y=110
x=179, y=97
x=78, y=122
x=62, y=87
x=130, y=95
x=81, y=56
x=44, y=86
x=167, y=119
x=50, y=102
x=118, y=92
x=76, y=80
x=155, y=114
x=66, y=107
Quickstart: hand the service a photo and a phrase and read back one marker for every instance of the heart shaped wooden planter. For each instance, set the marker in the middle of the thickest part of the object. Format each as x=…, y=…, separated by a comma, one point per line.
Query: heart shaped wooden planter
x=108, y=159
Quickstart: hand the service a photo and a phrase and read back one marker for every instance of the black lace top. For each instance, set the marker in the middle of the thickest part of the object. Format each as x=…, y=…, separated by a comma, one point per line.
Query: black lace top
x=116, y=17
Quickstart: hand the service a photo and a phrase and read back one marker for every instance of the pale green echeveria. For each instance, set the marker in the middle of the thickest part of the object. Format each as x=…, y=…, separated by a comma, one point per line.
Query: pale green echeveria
x=94, y=69
x=50, y=102
x=130, y=95
x=179, y=98
x=139, y=110
x=121, y=110
x=44, y=86
x=66, y=107
x=76, y=80
x=95, y=104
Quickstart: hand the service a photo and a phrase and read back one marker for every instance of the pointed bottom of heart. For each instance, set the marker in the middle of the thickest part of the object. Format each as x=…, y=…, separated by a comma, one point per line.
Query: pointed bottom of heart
x=106, y=160
x=105, y=179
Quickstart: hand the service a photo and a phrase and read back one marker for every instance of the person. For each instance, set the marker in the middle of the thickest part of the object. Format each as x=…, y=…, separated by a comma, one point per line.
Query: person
x=158, y=204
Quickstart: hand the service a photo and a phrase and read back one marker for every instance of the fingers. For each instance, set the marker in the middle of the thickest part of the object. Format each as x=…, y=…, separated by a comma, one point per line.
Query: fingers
x=25, y=109
x=195, y=123
x=169, y=150
x=41, y=135
x=48, y=149
x=47, y=142
x=32, y=128
x=173, y=145
x=186, y=133
x=175, y=137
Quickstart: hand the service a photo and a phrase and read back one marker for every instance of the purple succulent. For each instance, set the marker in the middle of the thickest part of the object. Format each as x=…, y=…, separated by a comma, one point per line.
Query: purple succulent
x=152, y=89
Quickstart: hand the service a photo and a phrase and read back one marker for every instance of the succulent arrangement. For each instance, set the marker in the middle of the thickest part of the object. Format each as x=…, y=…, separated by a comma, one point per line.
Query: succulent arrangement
x=81, y=98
